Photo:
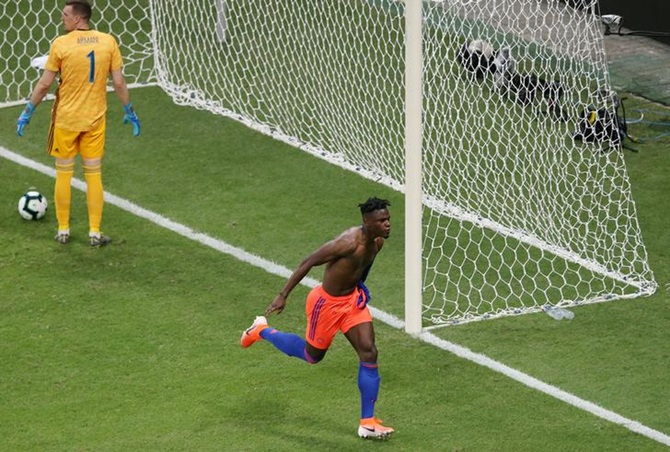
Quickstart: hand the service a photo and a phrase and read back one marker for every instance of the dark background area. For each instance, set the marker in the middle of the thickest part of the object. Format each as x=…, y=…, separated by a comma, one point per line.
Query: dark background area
x=641, y=15
x=638, y=15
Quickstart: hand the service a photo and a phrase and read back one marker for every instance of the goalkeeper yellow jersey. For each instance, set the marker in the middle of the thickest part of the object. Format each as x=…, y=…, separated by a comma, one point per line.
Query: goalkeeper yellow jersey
x=84, y=59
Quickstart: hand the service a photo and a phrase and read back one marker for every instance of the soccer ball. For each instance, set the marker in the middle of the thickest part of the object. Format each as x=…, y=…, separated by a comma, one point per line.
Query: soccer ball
x=33, y=205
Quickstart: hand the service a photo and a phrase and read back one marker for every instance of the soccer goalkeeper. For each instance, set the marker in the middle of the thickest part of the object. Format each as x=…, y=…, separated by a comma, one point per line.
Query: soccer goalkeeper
x=85, y=58
x=338, y=304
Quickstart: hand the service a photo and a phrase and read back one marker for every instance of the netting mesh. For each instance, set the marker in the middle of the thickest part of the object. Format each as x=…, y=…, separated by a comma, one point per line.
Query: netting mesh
x=522, y=213
x=297, y=69
x=526, y=197
x=28, y=27
x=518, y=213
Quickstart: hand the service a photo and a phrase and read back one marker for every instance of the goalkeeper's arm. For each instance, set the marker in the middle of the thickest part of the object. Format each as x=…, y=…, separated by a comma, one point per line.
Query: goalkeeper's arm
x=121, y=90
x=41, y=89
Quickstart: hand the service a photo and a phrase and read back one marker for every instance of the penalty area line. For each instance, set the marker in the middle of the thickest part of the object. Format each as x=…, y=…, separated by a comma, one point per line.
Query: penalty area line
x=382, y=316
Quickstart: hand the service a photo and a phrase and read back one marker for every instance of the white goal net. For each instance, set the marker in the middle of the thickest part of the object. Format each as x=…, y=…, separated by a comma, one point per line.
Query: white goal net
x=526, y=199
x=518, y=213
x=28, y=27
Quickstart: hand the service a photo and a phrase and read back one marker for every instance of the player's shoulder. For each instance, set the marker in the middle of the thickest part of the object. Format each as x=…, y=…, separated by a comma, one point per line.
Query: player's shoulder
x=349, y=238
x=73, y=36
x=104, y=36
x=60, y=40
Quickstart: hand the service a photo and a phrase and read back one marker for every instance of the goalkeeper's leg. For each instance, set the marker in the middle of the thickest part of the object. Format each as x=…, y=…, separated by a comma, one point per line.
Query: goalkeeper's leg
x=92, y=145
x=62, y=145
x=94, y=194
x=62, y=197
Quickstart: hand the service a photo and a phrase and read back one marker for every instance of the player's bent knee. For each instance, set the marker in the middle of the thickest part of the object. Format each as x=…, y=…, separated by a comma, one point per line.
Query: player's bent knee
x=314, y=355
x=368, y=354
x=92, y=163
x=311, y=359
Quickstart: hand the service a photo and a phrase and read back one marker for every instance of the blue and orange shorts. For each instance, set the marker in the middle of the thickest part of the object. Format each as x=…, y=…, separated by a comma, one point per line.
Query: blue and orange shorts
x=326, y=315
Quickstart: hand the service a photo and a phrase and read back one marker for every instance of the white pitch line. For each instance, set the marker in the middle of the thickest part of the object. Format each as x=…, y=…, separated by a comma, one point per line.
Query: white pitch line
x=384, y=317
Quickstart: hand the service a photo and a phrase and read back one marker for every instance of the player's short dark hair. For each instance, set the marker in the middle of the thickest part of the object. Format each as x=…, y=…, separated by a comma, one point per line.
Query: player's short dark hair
x=373, y=204
x=81, y=8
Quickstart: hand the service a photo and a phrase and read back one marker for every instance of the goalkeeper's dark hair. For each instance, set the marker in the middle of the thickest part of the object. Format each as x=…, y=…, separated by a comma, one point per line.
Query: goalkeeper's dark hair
x=373, y=204
x=81, y=8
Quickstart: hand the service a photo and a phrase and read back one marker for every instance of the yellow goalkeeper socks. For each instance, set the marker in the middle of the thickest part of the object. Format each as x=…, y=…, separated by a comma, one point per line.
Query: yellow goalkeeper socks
x=63, y=194
x=94, y=196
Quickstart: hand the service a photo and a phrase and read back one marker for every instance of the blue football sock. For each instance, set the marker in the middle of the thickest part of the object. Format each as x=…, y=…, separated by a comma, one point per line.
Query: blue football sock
x=288, y=343
x=368, y=385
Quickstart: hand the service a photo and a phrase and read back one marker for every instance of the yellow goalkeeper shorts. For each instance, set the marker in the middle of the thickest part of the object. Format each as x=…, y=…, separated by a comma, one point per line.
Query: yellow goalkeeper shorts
x=66, y=144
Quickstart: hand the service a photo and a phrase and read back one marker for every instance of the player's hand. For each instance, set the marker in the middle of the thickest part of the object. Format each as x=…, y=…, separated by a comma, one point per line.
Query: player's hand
x=277, y=305
x=364, y=296
x=131, y=117
x=24, y=118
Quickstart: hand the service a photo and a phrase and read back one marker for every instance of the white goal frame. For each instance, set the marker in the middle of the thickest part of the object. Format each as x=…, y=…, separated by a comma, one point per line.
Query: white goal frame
x=512, y=40
x=413, y=167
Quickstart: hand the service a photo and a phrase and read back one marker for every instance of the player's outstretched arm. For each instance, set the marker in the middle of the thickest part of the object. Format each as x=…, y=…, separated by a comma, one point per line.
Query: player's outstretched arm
x=326, y=253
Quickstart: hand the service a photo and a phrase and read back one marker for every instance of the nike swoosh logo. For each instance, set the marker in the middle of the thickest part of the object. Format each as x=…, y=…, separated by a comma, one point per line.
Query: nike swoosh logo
x=368, y=428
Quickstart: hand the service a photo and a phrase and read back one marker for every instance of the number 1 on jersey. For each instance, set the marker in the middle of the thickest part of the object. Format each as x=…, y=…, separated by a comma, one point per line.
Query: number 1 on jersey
x=91, y=74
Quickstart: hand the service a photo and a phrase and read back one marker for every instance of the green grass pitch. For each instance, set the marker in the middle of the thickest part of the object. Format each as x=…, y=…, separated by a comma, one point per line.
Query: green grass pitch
x=135, y=346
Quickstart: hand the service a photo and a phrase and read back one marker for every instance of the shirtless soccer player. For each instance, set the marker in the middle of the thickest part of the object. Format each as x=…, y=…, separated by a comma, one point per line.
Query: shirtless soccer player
x=338, y=304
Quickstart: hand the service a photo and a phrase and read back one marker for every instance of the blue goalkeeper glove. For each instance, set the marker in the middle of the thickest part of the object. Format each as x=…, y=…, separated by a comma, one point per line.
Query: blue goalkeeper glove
x=131, y=116
x=364, y=295
x=24, y=119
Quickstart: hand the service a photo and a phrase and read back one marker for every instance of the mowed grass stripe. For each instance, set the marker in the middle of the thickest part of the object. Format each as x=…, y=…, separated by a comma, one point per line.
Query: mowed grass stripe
x=382, y=316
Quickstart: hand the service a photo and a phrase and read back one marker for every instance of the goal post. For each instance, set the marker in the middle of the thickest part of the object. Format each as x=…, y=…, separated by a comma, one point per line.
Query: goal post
x=532, y=216
x=413, y=166
x=518, y=207
x=496, y=119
